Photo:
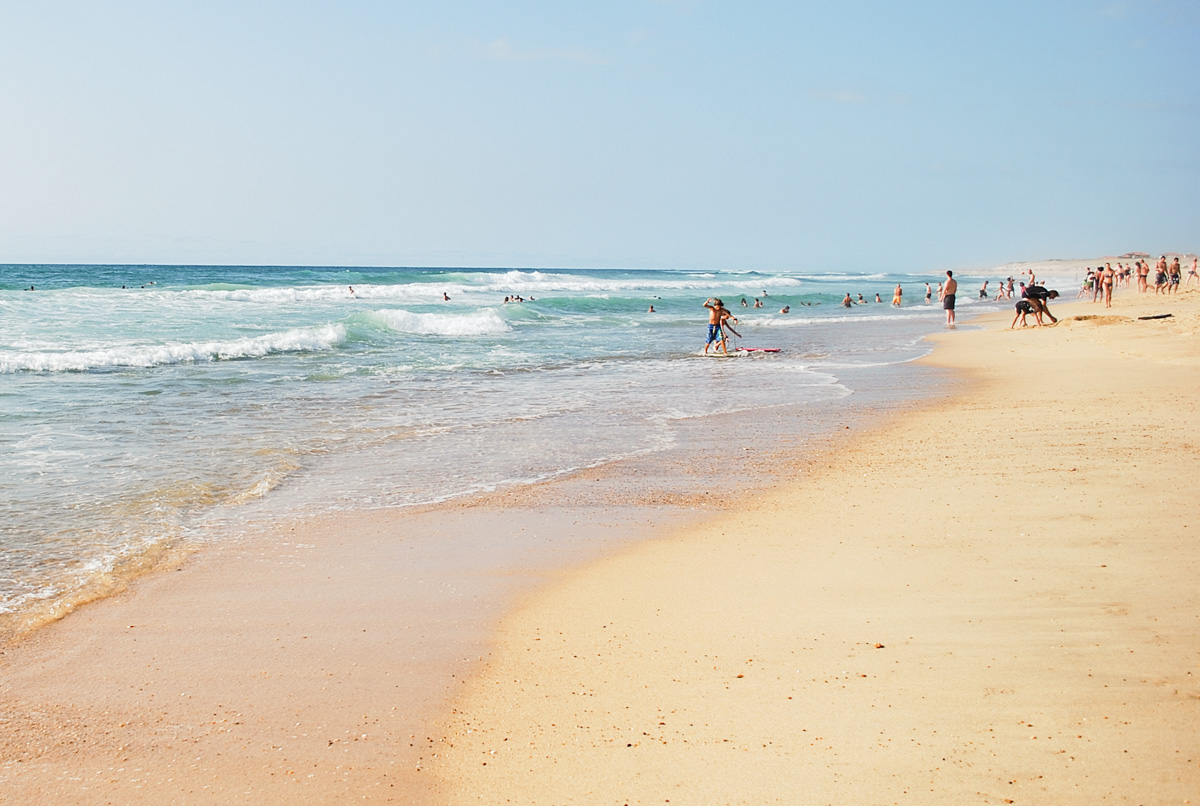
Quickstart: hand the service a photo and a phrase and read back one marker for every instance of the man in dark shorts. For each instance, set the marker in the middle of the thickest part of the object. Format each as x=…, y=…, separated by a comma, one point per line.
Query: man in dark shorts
x=1024, y=308
x=949, y=289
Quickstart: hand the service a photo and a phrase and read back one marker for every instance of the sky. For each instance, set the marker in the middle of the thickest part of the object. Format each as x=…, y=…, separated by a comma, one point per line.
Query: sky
x=850, y=136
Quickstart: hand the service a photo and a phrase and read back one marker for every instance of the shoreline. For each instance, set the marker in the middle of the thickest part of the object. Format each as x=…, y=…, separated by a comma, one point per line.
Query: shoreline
x=312, y=659
x=1007, y=615
x=374, y=440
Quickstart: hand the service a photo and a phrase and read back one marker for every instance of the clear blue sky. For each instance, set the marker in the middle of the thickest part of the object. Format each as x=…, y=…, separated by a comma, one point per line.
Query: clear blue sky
x=624, y=133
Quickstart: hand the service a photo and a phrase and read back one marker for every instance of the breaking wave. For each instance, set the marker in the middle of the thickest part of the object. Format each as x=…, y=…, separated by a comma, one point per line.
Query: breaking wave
x=153, y=355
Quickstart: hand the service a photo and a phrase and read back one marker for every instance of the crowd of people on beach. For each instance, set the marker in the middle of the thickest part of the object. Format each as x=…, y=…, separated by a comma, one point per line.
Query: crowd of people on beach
x=1168, y=276
x=1032, y=297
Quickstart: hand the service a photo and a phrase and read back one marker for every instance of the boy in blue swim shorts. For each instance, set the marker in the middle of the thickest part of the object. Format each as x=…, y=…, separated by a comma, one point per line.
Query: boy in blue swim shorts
x=718, y=314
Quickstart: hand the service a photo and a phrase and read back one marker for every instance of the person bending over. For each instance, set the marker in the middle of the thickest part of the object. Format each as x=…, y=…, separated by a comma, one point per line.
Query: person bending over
x=1024, y=308
x=1038, y=297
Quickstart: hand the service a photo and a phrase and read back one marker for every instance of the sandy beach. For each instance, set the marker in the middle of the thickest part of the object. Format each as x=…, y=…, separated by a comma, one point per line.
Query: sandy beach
x=990, y=599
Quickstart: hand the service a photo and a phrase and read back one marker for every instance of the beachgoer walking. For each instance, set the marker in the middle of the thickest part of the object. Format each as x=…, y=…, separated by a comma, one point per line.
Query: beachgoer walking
x=1108, y=278
x=983, y=290
x=1160, y=275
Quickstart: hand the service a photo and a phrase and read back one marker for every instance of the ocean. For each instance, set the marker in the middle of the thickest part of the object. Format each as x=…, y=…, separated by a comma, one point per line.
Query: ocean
x=141, y=405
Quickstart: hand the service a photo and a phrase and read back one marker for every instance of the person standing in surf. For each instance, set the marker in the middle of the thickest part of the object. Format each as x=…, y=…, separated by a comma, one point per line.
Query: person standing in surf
x=718, y=318
x=949, y=289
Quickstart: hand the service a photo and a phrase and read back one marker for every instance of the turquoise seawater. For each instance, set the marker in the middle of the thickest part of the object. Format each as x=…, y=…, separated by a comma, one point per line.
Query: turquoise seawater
x=137, y=403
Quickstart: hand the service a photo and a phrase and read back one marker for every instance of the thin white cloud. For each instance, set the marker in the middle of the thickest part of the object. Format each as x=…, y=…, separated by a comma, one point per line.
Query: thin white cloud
x=502, y=50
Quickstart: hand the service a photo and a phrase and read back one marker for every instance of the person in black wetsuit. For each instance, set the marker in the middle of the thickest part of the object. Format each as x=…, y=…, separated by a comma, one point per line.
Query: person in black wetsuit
x=1038, y=297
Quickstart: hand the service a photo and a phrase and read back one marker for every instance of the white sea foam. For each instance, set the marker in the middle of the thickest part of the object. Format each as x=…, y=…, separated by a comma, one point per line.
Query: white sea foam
x=278, y=295
x=784, y=320
x=546, y=283
x=152, y=355
x=834, y=278
x=484, y=322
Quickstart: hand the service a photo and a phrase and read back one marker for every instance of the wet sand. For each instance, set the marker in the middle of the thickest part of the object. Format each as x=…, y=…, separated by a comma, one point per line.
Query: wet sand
x=991, y=600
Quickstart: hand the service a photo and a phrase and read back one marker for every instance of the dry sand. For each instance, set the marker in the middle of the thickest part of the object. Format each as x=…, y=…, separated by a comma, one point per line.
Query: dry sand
x=994, y=600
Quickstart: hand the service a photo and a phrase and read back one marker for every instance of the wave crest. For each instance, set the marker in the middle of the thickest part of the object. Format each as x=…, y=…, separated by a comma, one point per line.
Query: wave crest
x=484, y=322
x=153, y=355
